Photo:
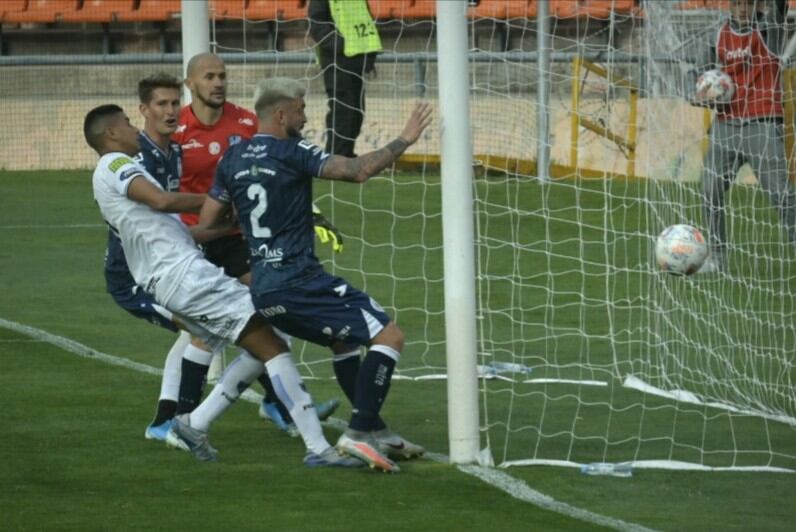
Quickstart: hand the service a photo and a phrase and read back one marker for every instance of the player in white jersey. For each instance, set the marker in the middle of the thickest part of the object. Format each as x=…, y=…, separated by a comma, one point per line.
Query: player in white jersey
x=164, y=260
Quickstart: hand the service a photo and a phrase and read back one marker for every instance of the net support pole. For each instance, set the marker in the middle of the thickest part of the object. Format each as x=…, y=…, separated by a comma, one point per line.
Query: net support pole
x=543, y=93
x=195, y=23
x=458, y=230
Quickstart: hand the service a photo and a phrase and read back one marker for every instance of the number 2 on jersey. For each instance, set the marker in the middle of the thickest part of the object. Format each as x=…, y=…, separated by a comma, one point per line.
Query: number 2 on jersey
x=257, y=192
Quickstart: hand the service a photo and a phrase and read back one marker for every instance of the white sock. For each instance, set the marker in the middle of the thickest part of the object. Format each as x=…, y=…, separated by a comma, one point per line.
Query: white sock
x=197, y=356
x=290, y=390
x=172, y=369
x=236, y=378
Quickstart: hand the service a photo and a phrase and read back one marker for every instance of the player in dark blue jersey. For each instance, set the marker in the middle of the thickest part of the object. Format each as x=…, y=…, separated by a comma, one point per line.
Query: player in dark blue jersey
x=268, y=179
x=159, y=97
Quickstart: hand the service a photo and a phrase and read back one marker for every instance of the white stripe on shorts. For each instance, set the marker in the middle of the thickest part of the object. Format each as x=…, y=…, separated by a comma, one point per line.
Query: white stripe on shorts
x=374, y=325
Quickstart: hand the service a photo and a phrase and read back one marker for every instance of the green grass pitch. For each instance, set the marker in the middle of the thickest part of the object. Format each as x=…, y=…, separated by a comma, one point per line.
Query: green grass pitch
x=72, y=452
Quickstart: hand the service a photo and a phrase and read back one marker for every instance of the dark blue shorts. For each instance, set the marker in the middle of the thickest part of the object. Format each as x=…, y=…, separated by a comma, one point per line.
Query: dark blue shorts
x=142, y=305
x=324, y=310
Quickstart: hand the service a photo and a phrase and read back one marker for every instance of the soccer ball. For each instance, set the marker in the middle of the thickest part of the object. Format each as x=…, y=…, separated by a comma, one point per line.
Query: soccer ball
x=715, y=86
x=681, y=249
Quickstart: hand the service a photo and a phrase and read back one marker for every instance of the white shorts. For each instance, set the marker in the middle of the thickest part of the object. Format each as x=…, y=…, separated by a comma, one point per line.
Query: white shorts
x=209, y=304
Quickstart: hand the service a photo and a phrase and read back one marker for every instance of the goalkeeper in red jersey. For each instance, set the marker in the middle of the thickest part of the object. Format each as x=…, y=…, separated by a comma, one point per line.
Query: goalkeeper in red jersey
x=749, y=127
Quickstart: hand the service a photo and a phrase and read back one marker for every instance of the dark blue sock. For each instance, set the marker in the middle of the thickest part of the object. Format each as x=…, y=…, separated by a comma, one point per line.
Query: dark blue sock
x=346, y=371
x=166, y=410
x=372, y=385
x=192, y=383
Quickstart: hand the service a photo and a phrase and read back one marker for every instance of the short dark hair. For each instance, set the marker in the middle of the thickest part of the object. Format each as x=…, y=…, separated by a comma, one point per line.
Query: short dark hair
x=96, y=122
x=156, y=81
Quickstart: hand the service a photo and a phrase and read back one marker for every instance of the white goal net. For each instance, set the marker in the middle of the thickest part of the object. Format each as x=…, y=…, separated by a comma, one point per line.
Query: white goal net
x=588, y=352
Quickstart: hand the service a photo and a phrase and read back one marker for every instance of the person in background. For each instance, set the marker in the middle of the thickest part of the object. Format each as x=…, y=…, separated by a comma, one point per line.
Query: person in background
x=347, y=43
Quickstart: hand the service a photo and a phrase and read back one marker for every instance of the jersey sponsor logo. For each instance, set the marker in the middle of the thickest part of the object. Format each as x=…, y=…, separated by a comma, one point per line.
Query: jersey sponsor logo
x=739, y=53
x=118, y=162
x=192, y=144
x=127, y=174
x=240, y=174
x=257, y=170
x=268, y=254
x=234, y=139
x=273, y=311
x=214, y=148
x=246, y=121
x=256, y=148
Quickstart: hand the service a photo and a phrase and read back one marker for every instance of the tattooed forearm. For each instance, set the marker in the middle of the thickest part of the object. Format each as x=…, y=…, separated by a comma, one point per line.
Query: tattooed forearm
x=362, y=167
x=397, y=147
x=376, y=161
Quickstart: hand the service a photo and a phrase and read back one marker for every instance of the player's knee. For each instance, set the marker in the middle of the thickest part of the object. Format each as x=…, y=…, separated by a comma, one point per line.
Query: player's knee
x=259, y=339
x=391, y=335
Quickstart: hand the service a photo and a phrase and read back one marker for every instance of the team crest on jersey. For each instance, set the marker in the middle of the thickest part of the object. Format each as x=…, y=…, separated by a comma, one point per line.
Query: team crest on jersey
x=119, y=162
x=214, y=148
x=234, y=139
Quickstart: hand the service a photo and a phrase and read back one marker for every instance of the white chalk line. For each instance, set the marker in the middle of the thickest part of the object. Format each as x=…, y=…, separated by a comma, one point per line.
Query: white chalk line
x=498, y=479
x=53, y=226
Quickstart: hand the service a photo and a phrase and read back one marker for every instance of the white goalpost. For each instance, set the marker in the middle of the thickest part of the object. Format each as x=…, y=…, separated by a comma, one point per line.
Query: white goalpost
x=456, y=154
x=195, y=34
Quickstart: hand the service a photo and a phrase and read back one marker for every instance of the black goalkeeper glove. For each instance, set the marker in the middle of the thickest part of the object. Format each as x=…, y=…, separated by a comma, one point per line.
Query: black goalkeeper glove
x=326, y=231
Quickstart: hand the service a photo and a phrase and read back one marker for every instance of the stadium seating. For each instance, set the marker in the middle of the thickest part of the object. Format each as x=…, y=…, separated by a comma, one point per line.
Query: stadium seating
x=221, y=9
x=151, y=11
x=42, y=11
x=102, y=11
x=388, y=9
x=403, y=9
x=282, y=10
x=589, y=8
x=12, y=6
x=421, y=9
x=723, y=5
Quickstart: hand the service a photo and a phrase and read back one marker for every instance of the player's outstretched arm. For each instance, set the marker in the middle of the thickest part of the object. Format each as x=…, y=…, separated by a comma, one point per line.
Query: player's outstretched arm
x=360, y=169
x=143, y=191
x=216, y=219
